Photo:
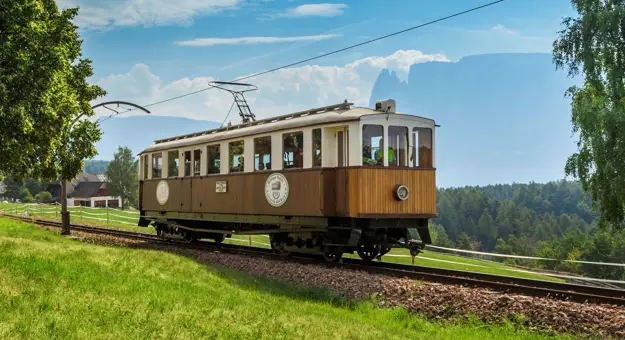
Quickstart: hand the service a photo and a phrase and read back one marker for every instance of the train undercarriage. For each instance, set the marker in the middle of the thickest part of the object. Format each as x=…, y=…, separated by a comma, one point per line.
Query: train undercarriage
x=370, y=239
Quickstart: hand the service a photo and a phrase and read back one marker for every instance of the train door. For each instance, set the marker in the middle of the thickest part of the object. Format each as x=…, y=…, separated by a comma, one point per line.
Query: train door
x=342, y=140
x=193, y=164
x=342, y=154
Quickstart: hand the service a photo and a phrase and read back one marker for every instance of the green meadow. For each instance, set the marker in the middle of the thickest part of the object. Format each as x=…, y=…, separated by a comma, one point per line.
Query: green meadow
x=53, y=287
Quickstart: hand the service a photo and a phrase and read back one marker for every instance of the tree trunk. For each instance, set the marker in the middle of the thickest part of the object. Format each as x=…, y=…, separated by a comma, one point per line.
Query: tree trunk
x=122, y=196
x=64, y=213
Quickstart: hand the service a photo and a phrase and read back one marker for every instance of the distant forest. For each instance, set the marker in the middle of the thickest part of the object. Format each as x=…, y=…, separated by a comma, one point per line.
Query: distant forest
x=552, y=220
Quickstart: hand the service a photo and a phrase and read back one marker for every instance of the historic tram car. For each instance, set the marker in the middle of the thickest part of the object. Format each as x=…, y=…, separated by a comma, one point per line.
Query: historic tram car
x=330, y=180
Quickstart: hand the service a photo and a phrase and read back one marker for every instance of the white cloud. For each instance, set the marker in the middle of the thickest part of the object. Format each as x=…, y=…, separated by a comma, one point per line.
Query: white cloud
x=316, y=10
x=502, y=29
x=95, y=14
x=286, y=90
x=253, y=40
x=311, y=10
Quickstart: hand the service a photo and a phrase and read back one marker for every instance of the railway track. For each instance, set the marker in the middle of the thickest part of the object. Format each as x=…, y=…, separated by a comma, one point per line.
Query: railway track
x=530, y=287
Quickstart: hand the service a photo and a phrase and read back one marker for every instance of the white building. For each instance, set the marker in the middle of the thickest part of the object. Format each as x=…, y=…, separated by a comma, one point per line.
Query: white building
x=90, y=190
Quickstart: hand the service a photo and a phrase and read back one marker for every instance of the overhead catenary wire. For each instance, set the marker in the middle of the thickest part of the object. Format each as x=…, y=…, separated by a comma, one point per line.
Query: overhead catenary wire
x=329, y=53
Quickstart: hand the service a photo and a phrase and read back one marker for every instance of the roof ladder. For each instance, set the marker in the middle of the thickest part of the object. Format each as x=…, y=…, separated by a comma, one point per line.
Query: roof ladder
x=244, y=109
x=341, y=106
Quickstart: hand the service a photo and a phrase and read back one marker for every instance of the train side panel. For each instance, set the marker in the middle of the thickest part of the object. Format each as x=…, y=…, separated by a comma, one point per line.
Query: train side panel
x=358, y=192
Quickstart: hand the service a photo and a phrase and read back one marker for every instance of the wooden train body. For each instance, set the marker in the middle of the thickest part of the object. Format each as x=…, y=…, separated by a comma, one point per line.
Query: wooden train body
x=328, y=180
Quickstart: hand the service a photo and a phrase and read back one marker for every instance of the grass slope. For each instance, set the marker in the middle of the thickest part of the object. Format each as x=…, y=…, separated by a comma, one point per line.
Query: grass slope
x=53, y=287
x=428, y=258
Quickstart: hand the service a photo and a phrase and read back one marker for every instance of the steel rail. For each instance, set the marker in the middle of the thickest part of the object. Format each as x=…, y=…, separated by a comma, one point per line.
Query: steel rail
x=505, y=284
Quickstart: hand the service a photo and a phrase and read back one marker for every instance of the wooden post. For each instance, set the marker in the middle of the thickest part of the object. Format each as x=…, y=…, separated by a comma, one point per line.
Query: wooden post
x=250, y=238
x=65, y=215
x=81, y=212
x=413, y=260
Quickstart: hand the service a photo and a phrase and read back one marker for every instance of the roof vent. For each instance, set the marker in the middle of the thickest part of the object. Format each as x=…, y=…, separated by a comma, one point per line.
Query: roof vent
x=387, y=106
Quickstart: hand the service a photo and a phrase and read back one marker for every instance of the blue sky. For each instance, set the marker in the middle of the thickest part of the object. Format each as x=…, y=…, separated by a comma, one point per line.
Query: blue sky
x=145, y=51
x=121, y=34
x=149, y=50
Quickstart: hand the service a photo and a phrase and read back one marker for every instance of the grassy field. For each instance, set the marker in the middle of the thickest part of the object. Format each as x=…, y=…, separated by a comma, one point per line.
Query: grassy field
x=123, y=220
x=55, y=287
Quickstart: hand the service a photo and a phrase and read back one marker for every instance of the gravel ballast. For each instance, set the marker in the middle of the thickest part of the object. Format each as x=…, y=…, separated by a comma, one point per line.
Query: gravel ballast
x=435, y=301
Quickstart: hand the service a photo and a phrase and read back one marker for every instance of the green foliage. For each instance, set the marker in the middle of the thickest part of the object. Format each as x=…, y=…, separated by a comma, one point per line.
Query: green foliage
x=25, y=195
x=439, y=236
x=44, y=92
x=34, y=185
x=21, y=189
x=43, y=197
x=552, y=220
x=502, y=247
x=13, y=188
x=464, y=242
x=122, y=176
x=527, y=214
x=593, y=43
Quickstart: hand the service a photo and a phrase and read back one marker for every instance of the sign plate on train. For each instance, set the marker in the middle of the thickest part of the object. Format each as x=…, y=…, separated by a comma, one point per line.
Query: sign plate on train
x=221, y=186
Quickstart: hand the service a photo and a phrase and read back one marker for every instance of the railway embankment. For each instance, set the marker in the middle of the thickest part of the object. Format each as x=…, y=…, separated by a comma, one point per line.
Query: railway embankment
x=437, y=302
x=102, y=286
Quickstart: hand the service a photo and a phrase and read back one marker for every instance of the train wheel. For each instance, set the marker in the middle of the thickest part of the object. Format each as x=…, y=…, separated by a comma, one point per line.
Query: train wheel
x=367, y=252
x=187, y=236
x=219, y=238
x=333, y=254
x=278, y=246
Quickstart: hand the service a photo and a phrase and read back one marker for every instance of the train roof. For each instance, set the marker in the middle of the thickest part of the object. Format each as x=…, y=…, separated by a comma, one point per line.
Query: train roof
x=337, y=113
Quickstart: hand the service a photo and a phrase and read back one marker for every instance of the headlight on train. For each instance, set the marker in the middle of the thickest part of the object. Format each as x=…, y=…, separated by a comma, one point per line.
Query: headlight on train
x=401, y=192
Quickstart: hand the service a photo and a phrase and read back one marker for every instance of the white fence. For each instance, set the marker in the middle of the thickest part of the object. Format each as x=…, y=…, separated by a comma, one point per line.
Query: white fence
x=110, y=215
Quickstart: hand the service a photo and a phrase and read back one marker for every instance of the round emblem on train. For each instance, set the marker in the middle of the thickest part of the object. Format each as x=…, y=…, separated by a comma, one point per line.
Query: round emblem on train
x=276, y=189
x=162, y=192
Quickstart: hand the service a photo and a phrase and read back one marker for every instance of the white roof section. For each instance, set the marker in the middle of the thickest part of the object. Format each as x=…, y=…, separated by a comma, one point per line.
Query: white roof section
x=318, y=116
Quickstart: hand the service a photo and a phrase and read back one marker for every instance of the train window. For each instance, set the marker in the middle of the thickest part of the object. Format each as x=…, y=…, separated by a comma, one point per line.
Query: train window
x=197, y=154
x=262, y=153
x=173, y=163
x=397, y=145
x=214, y=159
x=236, y=156
x=372, y=145
x=293, y=150
x=316, y=144
x=157, y=165
x=422, y=147
x=187, y=163
x=145, y=166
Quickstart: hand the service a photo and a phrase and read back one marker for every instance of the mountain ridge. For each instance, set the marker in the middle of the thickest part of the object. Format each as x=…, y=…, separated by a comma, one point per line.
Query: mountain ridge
x=504, y=117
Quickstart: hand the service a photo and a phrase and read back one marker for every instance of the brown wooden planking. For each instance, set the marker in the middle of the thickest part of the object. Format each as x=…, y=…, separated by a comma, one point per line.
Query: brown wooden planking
x=245, y=194
x=373, y=190
x=312, y=192
x=328, y=192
